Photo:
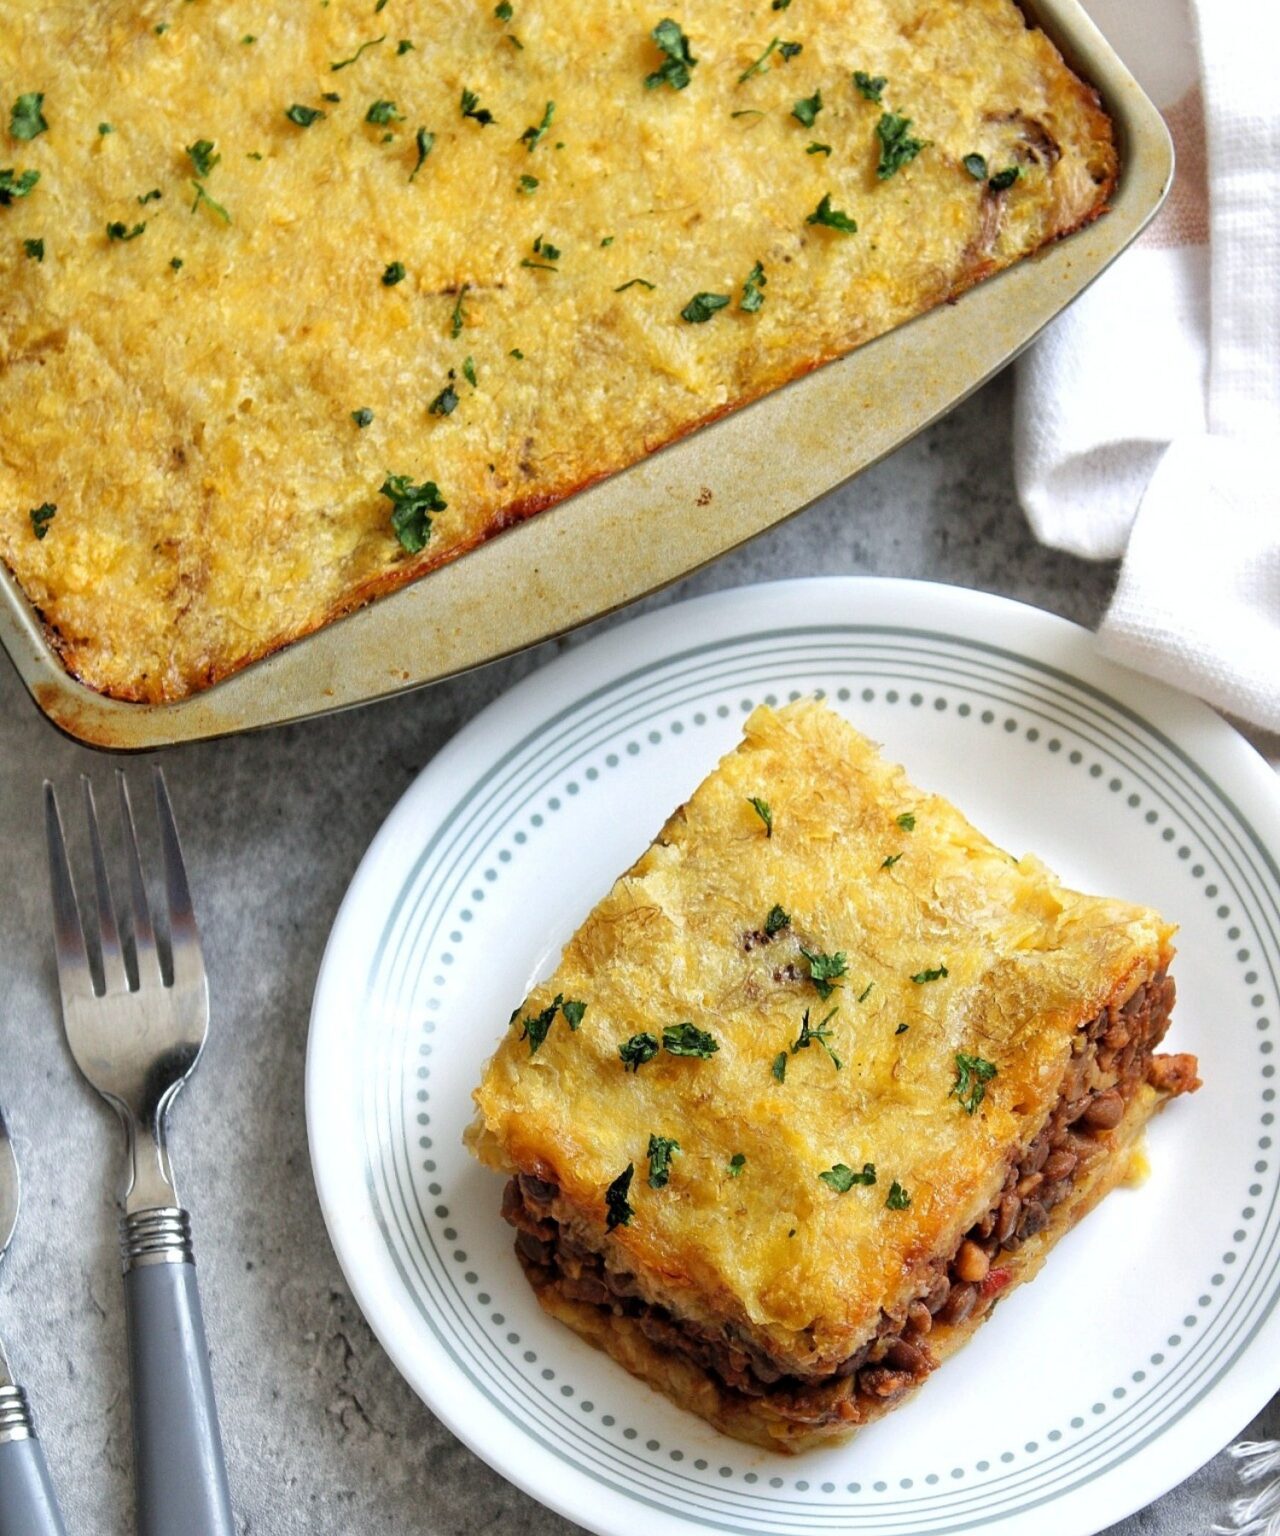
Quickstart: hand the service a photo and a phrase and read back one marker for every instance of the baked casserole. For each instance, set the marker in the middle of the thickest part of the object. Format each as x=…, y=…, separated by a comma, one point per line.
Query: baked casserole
x=299, y=302
x=824, y=1076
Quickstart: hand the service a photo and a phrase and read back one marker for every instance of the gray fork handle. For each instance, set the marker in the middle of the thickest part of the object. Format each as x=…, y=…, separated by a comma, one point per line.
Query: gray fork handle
x=27, y=1503
x=179, y=1472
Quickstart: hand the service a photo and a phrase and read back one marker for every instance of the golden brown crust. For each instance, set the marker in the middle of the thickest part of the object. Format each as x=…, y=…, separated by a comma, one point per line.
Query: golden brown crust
x=215, y=500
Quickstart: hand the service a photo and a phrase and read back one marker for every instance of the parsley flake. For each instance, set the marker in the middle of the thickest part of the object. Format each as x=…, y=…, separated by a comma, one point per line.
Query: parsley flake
x=776, y=921
x=825, y=969
x=780, y=5
x=819, y=1032
x=866, y=992
x=393, y=273
x=891, y=861
x=424, y=141
x=362, y=417
x=807, y=108
x=687, y=1040
x=528, y=185
x=870, y=86
x=469, y=373
x=842, y=1178
x=532, y=137
x=445, y=403
x=34, y=249
x=26, y=121
x=972, y=1076
x=679, y=61
x=907, y=821
x=897, y=1199
x=1003, y=180
x=105, y=128
x=412, y=506
x=381, y=113
x=636, y=1051
x=177, y=263
x=824, y=213
x=780, y=1066
x=618, y=1209
x=458, y=319
x=921, y=977
x=41, y=517
x=517, y=354
x=15, y=184
x=784, y=50
x=571, y=1008
x=118, y=231
x=976, y=165
x=470, y=107
x=902, y=1029
x=818, y=149
x=153, y=196
x=203, y=197
x=503, y=11
x=897, y=146
x=760, y=807
x=736, y=1164
x=661, y=1151
x=303, y=116
x=343, y=63
x=753, y=290
x=642, y=282
x=202, y=157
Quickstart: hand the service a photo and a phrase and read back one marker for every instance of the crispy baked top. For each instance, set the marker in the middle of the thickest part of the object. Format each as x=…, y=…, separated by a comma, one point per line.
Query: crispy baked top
x=946, y=947
x=489, y=244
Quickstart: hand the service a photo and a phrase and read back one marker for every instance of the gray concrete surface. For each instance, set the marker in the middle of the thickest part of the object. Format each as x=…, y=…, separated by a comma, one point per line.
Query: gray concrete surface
x=322, y=1435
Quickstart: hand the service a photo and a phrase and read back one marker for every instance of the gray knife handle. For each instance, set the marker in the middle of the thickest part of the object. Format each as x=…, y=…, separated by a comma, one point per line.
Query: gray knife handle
x=27, y=1504
x=179, y=1472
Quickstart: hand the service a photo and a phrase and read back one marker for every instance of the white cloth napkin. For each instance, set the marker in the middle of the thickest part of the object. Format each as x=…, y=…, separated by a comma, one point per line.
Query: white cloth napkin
x=1145, y=415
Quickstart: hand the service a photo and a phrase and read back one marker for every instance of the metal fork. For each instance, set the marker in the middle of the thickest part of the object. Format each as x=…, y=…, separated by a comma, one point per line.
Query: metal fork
x=27, y=1503
x=136, y=1038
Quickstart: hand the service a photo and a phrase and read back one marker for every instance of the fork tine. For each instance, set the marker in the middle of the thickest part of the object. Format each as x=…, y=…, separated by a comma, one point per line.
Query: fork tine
x=184, y=935
x=113, y=971
x=75, y=979
x=144, y=938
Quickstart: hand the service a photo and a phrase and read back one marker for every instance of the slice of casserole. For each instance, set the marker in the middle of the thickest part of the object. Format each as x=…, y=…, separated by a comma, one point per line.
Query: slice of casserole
x=822, y=1077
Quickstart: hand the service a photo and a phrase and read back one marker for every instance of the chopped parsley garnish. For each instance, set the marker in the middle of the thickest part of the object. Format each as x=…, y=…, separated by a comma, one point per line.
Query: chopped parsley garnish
x=469, y=373
x=412, y=506
x=897, y=147
x=784, y=50
x=330, y=96
x=972, y=1076
x=26, y=121
x=153, y=196
x=618, y=1208
x=381, y=113
x=748, y=112
x=203, y=197
x=780, y=1066
x=362, y=417
x=921, y=977
x=381, y=5
x=976, y=165
x=608, y=240
x=34, y=249
x=902, y=1029
x=14, y=184
x=736, y=1164
x=679, y=61
x=161, y=28
x=402, y=47
x=807, y=108
x=177, y=263
x=393, y=273
x=424, y=141
x=891, y=861
x=641, y=282
x=776, y=921
x=248, y=39
x=572, y=1009
x=898, y=1199
x=866, y=992
x=753, y=290
x=661, y=1151
x=538, y=266
x=870, y=86
x=780, y=5
x=372, y=43
x=760, y=807
x=470, y=107
x=824, y=213
x=503, y=11
x=118, y=231
x=445, y=403
x=907, y=821
x=1003, y=180
x=535, y=1028
x=818, y=149
x=202, y=157
x=458, y=319
x=517, y=354
x=825, y=969
x=702, y=306
x=819, y=1032
x=105, y=128
x=687, y=1040
x=528, y=185
x=842, y=1178
x=636, y=1051
x=41, y=517
x=303, y=116
x=532, y=137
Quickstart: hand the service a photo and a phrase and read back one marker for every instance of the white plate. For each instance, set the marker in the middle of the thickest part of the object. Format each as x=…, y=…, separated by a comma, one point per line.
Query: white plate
x=1151, y=1337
